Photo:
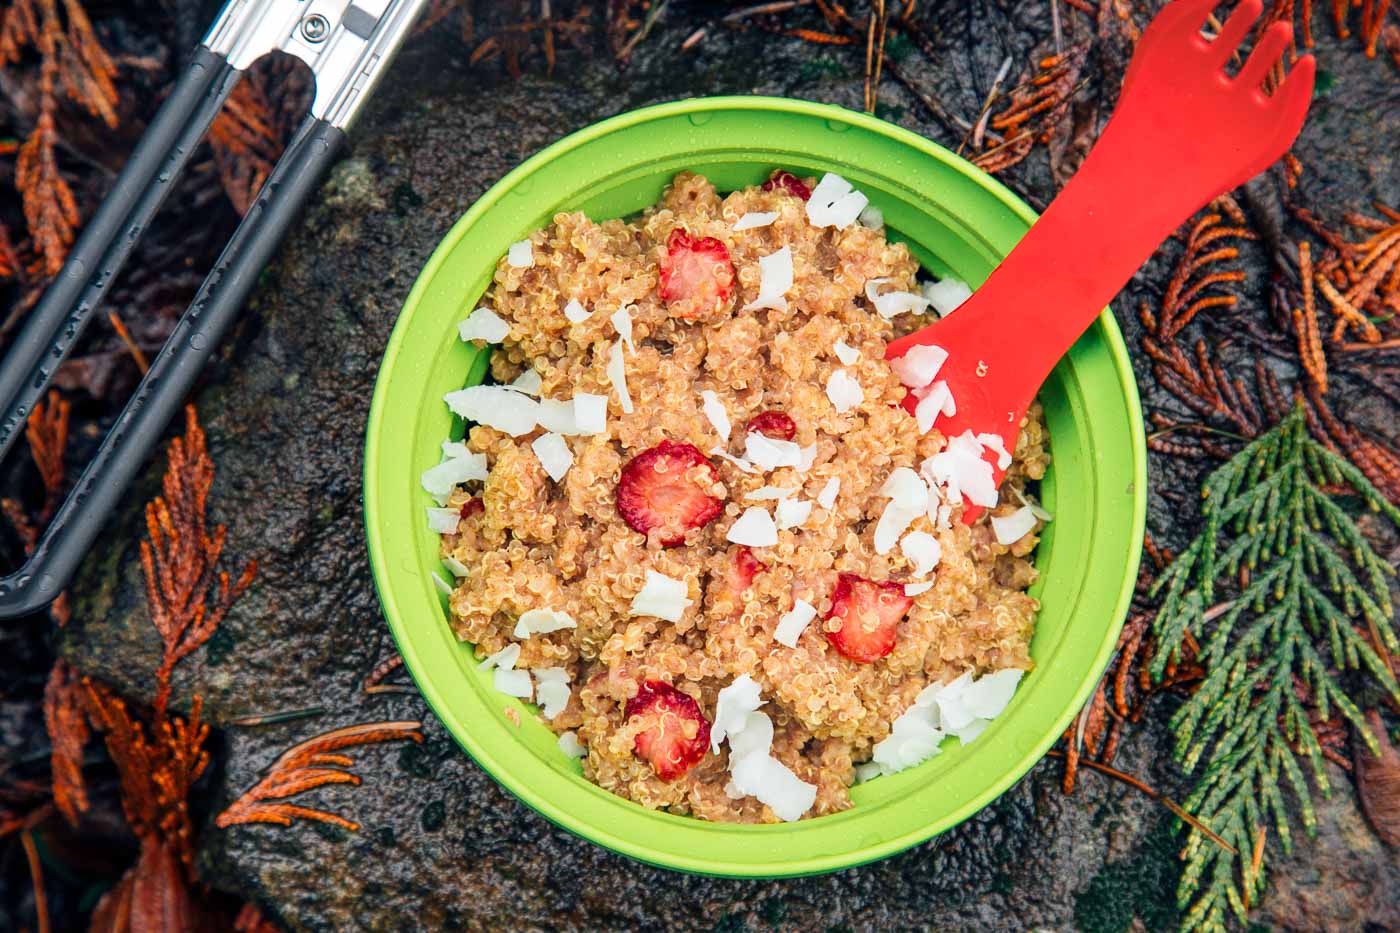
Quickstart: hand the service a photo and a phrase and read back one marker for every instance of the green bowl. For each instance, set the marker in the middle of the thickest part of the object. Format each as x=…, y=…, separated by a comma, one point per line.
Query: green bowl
x=955, y=219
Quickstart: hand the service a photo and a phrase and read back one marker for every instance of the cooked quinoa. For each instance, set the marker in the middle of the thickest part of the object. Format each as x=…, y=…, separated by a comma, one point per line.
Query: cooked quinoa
x=539, y=544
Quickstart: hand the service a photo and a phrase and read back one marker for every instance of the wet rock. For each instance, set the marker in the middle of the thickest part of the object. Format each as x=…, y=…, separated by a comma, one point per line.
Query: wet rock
x=440, y=845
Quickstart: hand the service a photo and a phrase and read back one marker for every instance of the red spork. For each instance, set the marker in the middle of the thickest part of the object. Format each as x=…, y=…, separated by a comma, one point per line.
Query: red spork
x=1183, y=133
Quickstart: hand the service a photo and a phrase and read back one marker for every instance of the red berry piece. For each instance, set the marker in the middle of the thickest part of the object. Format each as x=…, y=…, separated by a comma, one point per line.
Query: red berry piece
x=744, y=569
x=697, y=278
x=774, y=424
x=787, y=181
x=472, y=506
x=660, y=491
x=677, y=734
x=869, y=614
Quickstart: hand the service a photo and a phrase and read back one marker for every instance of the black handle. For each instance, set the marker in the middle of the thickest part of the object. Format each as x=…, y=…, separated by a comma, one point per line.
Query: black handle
x=148, y=176
x=159, y=396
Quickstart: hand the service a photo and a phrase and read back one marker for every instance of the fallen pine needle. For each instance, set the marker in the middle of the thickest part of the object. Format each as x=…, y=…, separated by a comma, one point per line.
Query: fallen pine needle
x=1160, y=798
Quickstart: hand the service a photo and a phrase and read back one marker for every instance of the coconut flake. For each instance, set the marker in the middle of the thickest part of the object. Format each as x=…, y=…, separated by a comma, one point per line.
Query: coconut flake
x=661, y=596
x=714, y=411
x=907, y=488
x=443, y=586
x=868, y=772
x=774, y=280
x=444, y=521
x=732, y=707
x=792, y=513
x=755, y=219
x=844, y=391
x=960, y=470
x=793, y=623
x=767, y=453
x=458, y=568
x=913, y=739
x=514, y=683
x=937, y=401
x=541, y=622
x=753, y=737
x=576, y=313
x=590, y=413
x=622, y=321
x=617, y=375
x=920, y=365
x=754, y=528
x=570, y=745
x=827, y=497
x=1012, y=528
x=483, y=324
x=988, y=696
x=557, y=416
x=743, y=465
x=528, y=382
x=772, y=492
x=893, y=304
x=806, y=456
x=914, y=589
x=440, y=480
x=923, y=551
x=773, y=783
x=846, y=354
x=504, y=659
x=834, y=203
x=521, y=255
x=893, y=522
x=997, y=445
x=551, y=690
x=946, y=294
x=1036, y=510
x=496, y=407
x=872, y=217
x=451, y=448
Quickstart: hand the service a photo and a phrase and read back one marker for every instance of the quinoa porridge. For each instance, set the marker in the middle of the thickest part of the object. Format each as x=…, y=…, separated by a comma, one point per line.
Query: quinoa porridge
x=693, y=523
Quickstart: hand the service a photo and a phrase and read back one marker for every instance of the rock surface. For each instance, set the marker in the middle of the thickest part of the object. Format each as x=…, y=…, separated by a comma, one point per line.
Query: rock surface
x=441, y=845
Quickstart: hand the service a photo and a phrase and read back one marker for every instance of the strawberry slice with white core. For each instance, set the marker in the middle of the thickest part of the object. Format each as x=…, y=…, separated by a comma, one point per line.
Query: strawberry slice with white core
x=869, y=613
x=660, y=490
x=697, y=276
x=676, y=734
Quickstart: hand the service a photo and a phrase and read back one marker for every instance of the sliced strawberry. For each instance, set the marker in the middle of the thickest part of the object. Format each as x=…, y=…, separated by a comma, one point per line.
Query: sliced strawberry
x=744, y=569
x=664, y=742
x=790, y=183
x=870, y=613
x=657, y=492
x=774, y=424
x=697, y=278
x=472, y=506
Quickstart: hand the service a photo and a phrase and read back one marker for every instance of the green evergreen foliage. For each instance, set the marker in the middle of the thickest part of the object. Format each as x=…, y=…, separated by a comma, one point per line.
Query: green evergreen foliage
x=1301, y=593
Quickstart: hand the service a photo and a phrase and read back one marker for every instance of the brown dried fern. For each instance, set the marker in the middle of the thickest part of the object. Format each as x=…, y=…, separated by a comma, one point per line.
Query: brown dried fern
x=313, y=763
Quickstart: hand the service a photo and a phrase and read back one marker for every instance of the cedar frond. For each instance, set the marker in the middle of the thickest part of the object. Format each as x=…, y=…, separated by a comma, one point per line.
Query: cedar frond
x=154, y=894
x=1305, y=591
x=246, y=141
x=180, y=561
x=296, y=771
x=47, y=434
x=1033, y=110
x=156, y=769
x=70, y=56
x=68, y=734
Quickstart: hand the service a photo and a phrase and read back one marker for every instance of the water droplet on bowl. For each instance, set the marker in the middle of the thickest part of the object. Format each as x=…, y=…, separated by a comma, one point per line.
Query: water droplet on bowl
x=837, y=126
x=700, y=119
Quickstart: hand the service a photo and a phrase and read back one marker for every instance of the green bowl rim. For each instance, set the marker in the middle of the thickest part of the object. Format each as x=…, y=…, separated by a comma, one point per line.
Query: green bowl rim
x=1113, y=339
